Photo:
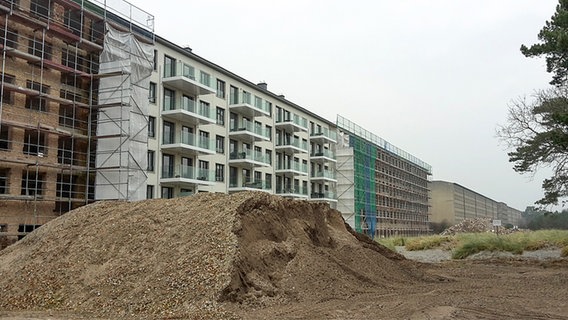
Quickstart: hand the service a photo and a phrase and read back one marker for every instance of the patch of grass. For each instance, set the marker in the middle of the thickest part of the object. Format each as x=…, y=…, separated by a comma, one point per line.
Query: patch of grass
x=464, y=245
x=423, y=243
x=472, y=243
x=391, y=243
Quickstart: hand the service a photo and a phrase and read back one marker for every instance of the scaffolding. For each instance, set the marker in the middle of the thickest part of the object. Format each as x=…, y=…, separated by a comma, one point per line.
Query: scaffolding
x=383, y=191
x=49, y=104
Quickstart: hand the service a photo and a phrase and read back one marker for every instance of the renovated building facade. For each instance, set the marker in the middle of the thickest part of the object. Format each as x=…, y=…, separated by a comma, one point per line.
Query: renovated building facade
x=213, y=131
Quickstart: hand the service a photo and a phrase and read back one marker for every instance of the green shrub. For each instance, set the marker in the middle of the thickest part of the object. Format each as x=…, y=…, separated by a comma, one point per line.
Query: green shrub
x=424, y=243
x=469, y=244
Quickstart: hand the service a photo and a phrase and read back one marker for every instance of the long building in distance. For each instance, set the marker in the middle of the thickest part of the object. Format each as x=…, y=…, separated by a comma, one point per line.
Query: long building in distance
x=452, y=203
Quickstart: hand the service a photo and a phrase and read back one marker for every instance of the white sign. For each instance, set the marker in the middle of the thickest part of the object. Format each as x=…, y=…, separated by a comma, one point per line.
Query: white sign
x=496, y=223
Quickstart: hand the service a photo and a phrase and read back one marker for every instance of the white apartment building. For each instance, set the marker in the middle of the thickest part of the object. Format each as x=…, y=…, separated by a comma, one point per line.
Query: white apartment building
x=213, y=131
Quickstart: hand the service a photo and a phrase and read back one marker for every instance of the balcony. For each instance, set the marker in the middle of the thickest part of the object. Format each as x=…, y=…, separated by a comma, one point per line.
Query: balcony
x=249, y=132
x=293, y=168
x=249, y=158
x=182, y=77
x=191, y=144
x=188, y=112
x=323, y=196
x=250, y=185
x=322, y=156
x=325, y=175
x=292, y=145
x=186, y=176
x=242, y=103
x=324, y=136
x=292, y=192
x=292, y=123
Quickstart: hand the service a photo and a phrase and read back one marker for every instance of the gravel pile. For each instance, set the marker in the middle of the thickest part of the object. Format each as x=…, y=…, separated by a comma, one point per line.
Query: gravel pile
x=199, y=257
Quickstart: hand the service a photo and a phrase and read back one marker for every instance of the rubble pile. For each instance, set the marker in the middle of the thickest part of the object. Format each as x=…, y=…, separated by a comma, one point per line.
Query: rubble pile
x=469, y=226
x=204, y=256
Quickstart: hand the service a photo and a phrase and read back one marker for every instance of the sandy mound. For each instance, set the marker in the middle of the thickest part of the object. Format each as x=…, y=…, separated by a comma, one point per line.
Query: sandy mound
x=193, y=257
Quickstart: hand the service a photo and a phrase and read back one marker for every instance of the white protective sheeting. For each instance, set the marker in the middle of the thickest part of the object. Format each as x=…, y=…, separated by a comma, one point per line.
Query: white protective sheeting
x=122, y=123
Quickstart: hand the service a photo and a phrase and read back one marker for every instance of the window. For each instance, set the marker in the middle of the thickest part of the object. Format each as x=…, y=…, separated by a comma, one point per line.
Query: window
x=34, y=143
x=233, y=95
x=269, y=156
x=169, y=99
x=65, y=150
x=220, y=144
x=220, y=89
x=64, y=187
x=233, y=121
x=32, y=183
x=219, y=172
x=36, y=103
x=97, y=31
x=168, y=133
x=4, y=137
x=149, y=191
x=167, y=166
x=203, y=165
x=152, y=92
x=151, y=155
x=169, y=67
x=7, y=95
x=205, y=79
x=40, y=7
x=71, y=59
x=66, y=116
x=203, y=136
x=155, y=61
x=269, y=108
x=257, y=176
x=151, y=127
x=167, y=192
x=220, y=116
x=39, y=49
x=204, y=109
x=4, y=180
x=72, y=20
x=11, y=37
x=268, y=179
x=269, y=132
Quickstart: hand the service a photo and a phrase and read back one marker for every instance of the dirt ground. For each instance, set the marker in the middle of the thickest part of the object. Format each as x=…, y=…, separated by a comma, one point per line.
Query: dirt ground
x=253, y=256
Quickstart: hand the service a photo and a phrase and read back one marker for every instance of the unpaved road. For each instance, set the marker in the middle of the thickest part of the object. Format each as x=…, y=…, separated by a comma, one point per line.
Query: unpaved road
x=469, y=289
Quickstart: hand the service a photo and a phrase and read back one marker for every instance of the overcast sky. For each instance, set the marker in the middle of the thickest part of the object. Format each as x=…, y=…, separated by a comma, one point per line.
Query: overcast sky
x=434, y=77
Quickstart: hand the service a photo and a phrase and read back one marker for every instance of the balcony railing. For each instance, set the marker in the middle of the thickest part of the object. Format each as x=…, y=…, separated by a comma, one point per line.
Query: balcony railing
x=252, y=128
x=292, y=118
x=324, y=174
x=295, y=166
x=245, y=98
x=292, y=190
x=326, y=133
x=293, y=142
x=198, y=141
x=188, y=172
x=324, y=153
x=323, y=195
x=250, y=183
x=250, y=155
x=186, y=78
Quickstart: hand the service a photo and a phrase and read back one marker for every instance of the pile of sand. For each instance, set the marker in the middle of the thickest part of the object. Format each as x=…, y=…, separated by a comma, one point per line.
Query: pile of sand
x=199, y=256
